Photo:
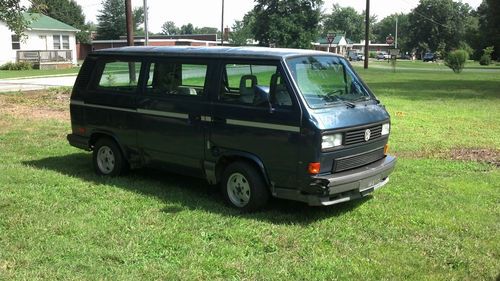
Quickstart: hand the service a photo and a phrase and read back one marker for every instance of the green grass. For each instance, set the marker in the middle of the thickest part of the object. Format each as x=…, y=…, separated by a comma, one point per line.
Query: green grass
x=439, y=65
x=437, y=219
x=8, y=74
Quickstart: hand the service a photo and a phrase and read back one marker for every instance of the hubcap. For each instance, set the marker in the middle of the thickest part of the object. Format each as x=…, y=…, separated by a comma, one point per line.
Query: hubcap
x=105, y=160
x=238, y=190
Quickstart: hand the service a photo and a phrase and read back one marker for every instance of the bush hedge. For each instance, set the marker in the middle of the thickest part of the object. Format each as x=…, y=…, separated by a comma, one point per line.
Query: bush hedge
x=456, y=60
x=16, y=66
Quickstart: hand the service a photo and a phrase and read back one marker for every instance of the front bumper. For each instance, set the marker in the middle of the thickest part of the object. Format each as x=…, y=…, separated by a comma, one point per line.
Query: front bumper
x=344, y=186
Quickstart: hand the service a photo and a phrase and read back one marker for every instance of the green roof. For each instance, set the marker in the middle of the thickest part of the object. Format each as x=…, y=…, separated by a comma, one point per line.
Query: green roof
x=42, y=22
x=335, y=41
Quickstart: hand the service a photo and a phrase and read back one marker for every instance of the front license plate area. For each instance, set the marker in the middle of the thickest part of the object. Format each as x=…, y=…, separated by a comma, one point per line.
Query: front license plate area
x=367, y=185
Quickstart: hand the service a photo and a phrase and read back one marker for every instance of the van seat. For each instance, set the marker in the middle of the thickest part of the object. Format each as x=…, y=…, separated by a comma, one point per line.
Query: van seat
x=278, y=93
x=247, y=92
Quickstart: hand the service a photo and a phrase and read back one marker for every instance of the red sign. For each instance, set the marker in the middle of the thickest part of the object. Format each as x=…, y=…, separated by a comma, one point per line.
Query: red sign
x=389, y=39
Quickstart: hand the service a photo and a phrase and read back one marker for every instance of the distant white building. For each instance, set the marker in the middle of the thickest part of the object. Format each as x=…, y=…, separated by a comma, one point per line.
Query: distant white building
x=49, y=43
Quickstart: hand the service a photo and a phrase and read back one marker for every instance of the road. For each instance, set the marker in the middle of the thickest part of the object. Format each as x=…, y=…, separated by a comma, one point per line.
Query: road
x=12, y=85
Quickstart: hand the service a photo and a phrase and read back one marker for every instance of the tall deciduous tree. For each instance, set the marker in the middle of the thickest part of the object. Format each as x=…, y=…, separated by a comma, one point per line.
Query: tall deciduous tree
x=11, y=12
x=187, y=29
x=439, y=24
x=489, y=26
x=388, y=26
x=286, y=23
x=169, y=28
x=344, y=20
x=69, y=12
x=111, y=19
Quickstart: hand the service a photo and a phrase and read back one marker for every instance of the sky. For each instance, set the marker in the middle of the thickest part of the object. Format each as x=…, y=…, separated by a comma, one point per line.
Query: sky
x=208, y=12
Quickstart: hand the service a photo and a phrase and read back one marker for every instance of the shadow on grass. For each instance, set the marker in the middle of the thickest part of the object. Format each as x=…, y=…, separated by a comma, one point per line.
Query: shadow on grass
x=439, y=90
x=181, y=192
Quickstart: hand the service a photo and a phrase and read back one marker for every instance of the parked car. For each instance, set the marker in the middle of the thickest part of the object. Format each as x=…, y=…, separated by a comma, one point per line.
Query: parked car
x=383, y=56
x=355, y=55
x=429, y=57
x=259, y=122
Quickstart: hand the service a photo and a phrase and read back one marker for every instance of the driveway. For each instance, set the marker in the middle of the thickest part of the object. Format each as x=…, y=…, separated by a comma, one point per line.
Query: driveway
x=19, y=84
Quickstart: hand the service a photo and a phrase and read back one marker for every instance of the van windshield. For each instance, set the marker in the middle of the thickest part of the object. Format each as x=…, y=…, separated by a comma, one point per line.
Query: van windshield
x=326, y=80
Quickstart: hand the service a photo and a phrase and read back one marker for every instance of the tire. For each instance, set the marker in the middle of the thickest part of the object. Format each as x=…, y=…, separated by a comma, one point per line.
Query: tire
x=243, y=187
x=108, y=159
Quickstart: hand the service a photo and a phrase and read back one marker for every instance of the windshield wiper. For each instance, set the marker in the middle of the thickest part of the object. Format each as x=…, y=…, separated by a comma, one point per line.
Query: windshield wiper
x=336, y=99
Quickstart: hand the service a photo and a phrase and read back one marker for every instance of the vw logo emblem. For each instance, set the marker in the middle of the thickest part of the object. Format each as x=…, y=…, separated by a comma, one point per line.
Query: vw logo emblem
x=367, y=134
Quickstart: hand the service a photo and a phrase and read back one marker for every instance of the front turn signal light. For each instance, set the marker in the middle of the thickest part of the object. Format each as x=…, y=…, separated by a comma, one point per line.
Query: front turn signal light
x=314, y=168
x=386, y=149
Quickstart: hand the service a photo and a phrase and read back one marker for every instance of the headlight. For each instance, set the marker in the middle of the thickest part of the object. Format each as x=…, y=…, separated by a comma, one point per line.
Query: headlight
x=330, y=141
x=385, y=129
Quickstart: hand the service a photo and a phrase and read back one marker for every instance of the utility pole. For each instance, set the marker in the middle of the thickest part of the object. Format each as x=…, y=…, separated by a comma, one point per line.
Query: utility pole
x=396, y=42
x=367, y=32
x=130, y=37
x=146, y=22
x=130, y=23
x=222, y=26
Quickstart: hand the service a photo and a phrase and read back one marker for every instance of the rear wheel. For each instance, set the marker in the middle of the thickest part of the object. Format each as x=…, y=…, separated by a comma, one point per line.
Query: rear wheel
x=243, y=187
x=107, y=158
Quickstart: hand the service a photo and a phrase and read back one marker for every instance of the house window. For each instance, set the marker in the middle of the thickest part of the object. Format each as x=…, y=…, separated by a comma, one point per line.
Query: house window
x=56, y=42
x=65, y=42
x=16, y=45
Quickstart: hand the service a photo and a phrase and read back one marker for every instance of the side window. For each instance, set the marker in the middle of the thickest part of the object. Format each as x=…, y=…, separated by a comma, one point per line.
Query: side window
x=257, y=85
x=170, y=78
x=120, y=76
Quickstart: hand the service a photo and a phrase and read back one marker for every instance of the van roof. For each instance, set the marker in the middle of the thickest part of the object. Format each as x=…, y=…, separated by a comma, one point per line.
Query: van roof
x=213, y=52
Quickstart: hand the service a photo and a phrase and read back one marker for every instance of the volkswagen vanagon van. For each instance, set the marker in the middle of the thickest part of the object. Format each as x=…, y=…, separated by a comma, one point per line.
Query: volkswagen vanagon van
x=260, y=122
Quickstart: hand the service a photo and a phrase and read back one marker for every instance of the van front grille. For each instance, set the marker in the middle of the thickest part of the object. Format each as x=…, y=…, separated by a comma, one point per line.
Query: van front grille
x=358, y=136
x=357, y=160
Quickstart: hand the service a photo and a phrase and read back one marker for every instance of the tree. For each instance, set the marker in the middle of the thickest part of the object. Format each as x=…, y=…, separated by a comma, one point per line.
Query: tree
x=388, y=26
x=112, y=22
x=69, y=12
x=286, y=23
x=489, y=21
x=187, y=29
x=241, y=31
x=205, y=30
x=169, y=28
x=345, y=20
x=440, y=24
x=11, y=12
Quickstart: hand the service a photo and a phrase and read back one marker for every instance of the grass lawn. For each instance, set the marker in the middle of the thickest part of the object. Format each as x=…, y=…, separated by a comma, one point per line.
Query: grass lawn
x=8, y=74
x=437, y=219
x=438, y=65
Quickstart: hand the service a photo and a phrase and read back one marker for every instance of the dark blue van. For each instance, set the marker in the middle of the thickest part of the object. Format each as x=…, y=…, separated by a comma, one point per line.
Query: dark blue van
x=260, y=122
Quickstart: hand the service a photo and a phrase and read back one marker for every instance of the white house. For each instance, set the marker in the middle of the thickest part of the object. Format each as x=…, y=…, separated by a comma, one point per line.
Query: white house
x=49, y=43
x=339, y=45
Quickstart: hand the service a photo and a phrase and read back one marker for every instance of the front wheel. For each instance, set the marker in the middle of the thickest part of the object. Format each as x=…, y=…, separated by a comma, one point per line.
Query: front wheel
x=243, y=187
x=107, y=158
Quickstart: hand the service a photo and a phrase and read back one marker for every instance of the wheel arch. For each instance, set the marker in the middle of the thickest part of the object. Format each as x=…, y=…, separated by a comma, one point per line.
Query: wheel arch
x=230, y=157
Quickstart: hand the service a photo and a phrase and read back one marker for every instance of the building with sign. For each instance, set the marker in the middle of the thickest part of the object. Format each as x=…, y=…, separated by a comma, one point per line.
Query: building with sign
x=339, y=44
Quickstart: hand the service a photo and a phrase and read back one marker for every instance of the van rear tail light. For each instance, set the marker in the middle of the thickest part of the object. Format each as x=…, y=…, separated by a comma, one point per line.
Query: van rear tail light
x=81, y=130
x=314, y=168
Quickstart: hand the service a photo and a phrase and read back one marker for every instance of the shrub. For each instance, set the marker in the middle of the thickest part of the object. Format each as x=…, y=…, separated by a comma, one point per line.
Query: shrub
x=372, y=55
x=456, y=60
x=485, y=60
x=16, y=66
x=486, y=57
